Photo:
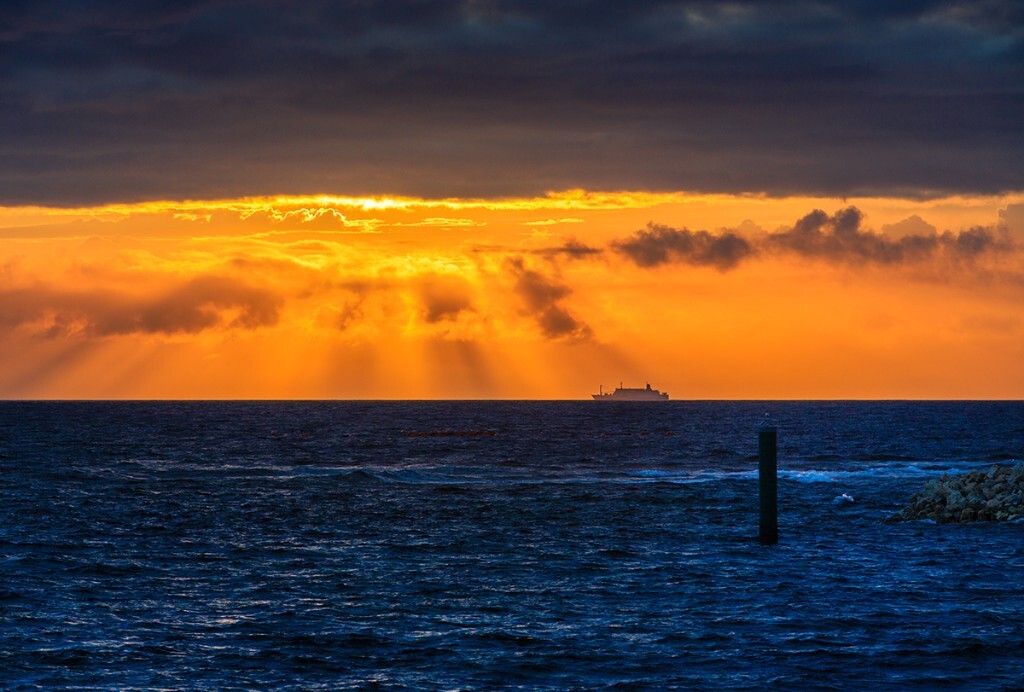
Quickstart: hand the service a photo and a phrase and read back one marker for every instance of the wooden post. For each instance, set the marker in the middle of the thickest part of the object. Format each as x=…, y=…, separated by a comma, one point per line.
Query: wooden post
x=768, y=484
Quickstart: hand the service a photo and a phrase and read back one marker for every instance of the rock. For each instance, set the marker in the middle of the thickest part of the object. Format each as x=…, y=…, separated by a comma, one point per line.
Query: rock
x=993, y=495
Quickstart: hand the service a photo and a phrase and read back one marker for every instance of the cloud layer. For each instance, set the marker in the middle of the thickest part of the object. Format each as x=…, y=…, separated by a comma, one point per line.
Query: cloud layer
x=401, y=284
x=121, y=101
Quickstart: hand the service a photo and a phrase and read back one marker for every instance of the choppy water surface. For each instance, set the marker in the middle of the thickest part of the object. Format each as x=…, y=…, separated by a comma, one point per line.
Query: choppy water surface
x=488, y=544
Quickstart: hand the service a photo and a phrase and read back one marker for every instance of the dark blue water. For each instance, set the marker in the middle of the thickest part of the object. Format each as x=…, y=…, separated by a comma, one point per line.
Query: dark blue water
x=474, y=545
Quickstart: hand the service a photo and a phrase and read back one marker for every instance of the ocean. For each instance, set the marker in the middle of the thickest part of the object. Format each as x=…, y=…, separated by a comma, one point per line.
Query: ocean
x=474, y=545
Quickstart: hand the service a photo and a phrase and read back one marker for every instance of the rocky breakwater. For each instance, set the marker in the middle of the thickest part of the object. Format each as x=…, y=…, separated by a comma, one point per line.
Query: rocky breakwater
x=996, y=494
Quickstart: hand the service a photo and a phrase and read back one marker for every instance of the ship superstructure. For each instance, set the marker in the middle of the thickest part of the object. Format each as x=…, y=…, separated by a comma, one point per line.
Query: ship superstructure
x=631, y=394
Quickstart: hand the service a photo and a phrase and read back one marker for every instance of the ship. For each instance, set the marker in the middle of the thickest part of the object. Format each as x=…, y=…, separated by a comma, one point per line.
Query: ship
x=631, y=394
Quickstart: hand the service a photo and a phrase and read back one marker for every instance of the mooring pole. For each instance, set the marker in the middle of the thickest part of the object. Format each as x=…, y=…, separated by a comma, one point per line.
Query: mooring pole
x=768, y=484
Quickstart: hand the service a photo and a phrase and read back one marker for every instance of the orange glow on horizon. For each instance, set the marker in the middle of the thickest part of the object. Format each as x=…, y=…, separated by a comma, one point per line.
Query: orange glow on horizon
x=328, y=296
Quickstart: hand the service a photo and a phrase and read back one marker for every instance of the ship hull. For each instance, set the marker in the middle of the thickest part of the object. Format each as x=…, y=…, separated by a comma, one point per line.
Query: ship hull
x=630, y=397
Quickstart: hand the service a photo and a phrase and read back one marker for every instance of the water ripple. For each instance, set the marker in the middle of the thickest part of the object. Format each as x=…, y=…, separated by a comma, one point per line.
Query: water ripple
x=478, y=545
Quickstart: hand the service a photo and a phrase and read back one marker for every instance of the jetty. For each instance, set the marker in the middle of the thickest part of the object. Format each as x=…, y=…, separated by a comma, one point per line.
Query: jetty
x=995, y=494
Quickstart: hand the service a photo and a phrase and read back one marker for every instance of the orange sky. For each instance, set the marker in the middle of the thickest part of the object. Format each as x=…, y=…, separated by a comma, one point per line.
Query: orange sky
x=333, y=297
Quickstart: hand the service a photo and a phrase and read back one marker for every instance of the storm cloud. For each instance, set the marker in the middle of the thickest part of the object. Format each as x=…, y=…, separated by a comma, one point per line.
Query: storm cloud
x=113, y=101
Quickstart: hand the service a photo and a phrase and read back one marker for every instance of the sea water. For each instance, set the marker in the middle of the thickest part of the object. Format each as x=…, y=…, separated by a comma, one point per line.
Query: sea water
x=487, y=544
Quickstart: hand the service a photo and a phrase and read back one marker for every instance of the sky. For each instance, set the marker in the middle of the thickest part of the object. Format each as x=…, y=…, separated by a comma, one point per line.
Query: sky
x=523, y=199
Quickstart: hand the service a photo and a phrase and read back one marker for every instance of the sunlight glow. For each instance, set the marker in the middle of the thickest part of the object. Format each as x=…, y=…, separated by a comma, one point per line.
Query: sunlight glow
x=548, y=297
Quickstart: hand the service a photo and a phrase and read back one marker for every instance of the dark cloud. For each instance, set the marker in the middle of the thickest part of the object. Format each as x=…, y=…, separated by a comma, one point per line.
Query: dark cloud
x=196, y=306
x=839, y=238
x=444, y=298
x=542, y=298
x=352, y=312
x=1012, y=219
x=202, y=303
x=912, y=225
x=109, y=100
x=661, y=244
x=571, y=249
x=971, y=242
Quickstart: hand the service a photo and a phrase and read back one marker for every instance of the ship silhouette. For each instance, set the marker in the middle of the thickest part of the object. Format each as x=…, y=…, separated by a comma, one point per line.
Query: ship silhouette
x=631, y=394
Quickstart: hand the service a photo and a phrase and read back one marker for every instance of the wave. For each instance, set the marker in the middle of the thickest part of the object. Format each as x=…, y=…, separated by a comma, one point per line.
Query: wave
x=455, y=476
x=654, y=473
x=812, y=475
x=890, y=470
x=361, y=476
